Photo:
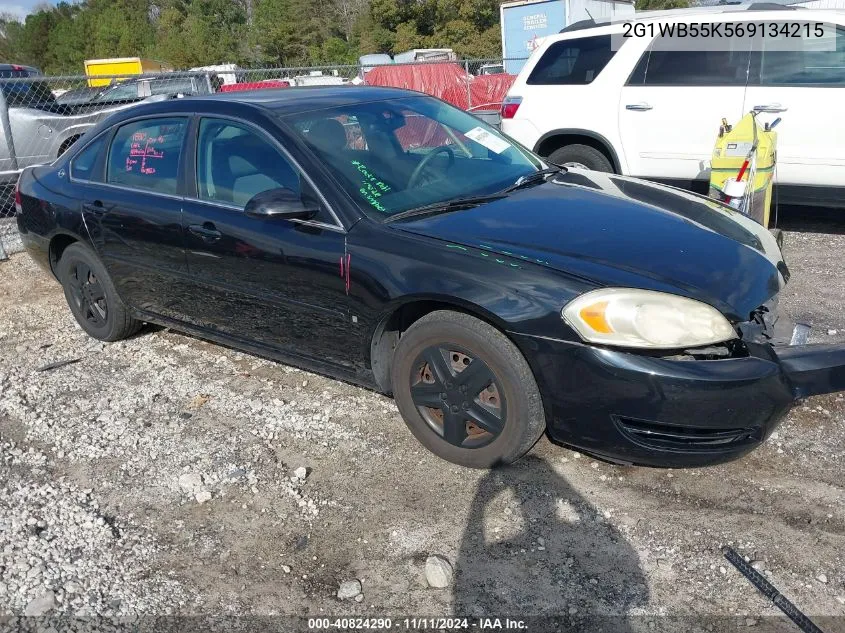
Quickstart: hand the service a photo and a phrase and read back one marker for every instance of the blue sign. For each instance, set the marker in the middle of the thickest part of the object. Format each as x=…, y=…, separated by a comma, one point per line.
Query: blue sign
x=524, y=24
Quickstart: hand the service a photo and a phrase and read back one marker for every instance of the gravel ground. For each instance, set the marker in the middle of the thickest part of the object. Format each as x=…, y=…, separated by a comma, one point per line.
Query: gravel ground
x=165, y=474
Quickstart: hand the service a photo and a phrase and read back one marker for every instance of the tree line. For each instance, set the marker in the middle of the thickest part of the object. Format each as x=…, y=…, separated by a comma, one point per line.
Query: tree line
x=251, y=33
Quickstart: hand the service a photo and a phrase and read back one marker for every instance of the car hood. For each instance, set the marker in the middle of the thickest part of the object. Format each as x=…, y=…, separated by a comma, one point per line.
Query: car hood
x=617, y=231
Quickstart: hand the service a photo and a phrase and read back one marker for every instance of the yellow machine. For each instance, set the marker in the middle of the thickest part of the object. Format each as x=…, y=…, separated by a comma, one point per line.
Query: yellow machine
x=742, y=166
x=126, y=66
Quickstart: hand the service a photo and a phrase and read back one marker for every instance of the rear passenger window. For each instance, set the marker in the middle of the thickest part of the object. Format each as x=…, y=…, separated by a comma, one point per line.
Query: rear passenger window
x=572, y=62
x=234, y=164
x=145, y=155
x=82, y=165
x=817, y=62
x=675, y=61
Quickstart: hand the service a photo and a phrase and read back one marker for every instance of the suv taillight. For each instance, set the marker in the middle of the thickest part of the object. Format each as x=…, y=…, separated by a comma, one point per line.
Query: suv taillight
x=18, y=206
x=509, y=107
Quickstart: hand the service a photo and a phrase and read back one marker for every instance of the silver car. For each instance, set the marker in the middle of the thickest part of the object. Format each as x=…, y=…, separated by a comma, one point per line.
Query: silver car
x=41, y=129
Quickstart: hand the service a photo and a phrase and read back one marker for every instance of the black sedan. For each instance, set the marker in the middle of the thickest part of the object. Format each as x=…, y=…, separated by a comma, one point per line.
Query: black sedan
x=386, y=238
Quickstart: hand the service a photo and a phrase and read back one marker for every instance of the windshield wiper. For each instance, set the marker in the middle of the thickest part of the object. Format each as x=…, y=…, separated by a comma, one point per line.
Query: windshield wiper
x=442, y=207
x=534, y=178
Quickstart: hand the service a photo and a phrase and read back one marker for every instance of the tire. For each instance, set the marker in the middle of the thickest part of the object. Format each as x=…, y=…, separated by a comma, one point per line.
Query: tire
x=581, y=155
x=511, y=421
x=93, y=300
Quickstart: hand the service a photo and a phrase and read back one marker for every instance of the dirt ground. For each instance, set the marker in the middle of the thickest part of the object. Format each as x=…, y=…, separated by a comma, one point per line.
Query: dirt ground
x=156, y=476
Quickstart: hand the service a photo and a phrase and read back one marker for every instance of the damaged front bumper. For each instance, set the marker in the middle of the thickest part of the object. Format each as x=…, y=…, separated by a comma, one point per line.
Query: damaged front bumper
x=683, y=410
x=813, y=370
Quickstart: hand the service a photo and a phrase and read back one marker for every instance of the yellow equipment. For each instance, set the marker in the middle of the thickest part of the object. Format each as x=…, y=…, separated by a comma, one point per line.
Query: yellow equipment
x=742, y=166
x=127, y=66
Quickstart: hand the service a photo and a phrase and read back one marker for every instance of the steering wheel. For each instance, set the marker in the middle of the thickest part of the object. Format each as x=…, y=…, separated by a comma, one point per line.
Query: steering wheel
x=443, y=149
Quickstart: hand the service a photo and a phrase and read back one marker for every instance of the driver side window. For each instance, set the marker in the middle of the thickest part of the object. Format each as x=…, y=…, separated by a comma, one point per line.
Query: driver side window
x=234, y=164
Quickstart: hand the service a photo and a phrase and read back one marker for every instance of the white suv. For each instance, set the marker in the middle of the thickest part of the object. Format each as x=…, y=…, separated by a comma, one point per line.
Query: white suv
x=653, y=111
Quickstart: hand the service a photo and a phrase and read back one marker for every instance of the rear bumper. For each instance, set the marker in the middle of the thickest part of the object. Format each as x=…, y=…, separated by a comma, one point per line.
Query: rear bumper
x=638, y=409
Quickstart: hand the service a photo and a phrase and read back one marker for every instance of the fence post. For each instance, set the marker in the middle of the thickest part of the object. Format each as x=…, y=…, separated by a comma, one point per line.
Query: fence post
x=7, y=130
x=469, y=92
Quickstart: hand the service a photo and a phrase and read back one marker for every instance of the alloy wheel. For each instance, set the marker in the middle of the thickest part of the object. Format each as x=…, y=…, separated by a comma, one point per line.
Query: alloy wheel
x=458, y=396
x=88, y=294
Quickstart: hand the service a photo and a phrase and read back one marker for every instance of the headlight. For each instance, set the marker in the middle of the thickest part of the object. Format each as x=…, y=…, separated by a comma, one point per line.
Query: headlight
x=643, y=318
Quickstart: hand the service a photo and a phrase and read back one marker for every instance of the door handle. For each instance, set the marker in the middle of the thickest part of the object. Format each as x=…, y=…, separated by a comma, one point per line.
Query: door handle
x=639, y=107
x=770, y=107
x=94, y=207
x=206, y=231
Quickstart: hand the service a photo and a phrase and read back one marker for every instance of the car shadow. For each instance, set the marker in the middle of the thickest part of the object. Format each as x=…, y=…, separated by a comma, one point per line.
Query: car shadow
x=534, y=547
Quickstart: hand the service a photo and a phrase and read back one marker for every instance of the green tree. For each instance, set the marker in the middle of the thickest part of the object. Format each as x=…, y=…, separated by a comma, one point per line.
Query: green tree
x=67, y=42
x=11, y=35
x=654, y=5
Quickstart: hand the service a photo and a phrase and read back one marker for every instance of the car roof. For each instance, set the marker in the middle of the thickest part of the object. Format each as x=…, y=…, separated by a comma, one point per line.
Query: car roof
x=280, y=101
x=304, y=98
x=30, y=69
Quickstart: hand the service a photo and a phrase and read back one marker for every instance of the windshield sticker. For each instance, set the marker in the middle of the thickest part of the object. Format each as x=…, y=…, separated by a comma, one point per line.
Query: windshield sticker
x=488, y=140
x=371, y=187
x=141, y=149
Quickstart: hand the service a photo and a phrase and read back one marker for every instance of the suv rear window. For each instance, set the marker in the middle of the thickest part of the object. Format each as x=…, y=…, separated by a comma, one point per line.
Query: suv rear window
x=572, y=62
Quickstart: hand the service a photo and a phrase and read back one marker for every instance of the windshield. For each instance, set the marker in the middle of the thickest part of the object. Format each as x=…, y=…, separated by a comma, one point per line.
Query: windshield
x=396, y=155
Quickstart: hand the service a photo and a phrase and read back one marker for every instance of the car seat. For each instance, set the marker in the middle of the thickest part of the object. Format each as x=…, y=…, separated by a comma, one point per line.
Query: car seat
x=328, y=135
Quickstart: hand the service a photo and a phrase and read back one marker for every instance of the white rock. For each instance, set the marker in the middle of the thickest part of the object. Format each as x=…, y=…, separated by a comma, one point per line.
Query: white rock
x=301, y=472
x=189, y=482
x=822, y=578
x=72, y=587
x=831, y=332
x=438, y=572
x=41, y=605
x=286, y=569
x=359, y=597
x=202, y=496
x=349, y=589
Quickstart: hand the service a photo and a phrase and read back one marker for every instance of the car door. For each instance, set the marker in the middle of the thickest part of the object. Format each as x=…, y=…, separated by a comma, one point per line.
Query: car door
x=804, y=84
x=133, y=211
x=674, y=100
x=274, y=281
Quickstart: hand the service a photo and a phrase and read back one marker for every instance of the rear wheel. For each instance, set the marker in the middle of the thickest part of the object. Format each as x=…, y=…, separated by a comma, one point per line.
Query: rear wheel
x=465, y=391
x=92, y=297
x=581, y=157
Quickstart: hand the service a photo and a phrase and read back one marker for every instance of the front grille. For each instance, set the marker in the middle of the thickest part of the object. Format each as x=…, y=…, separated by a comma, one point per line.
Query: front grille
x=685, y=438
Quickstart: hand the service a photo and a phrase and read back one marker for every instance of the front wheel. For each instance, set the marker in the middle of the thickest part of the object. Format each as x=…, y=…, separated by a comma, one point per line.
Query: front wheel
x=92, y=297
x=465, y=391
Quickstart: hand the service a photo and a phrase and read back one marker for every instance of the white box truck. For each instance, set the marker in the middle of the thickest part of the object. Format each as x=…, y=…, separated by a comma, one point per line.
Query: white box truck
x=526, y=22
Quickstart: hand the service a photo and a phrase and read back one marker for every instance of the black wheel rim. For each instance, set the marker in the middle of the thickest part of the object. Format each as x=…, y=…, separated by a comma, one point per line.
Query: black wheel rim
x=458, y=396
x=88, y=295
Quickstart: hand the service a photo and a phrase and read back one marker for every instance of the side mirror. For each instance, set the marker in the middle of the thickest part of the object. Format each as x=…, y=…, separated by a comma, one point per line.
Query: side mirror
x=279, y=203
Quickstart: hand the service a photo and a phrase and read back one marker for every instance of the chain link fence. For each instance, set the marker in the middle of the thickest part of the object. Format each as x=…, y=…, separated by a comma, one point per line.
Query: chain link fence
x=42, y=116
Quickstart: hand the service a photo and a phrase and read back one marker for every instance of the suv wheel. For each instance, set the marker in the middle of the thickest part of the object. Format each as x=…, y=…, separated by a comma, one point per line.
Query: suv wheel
x=581, y=157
